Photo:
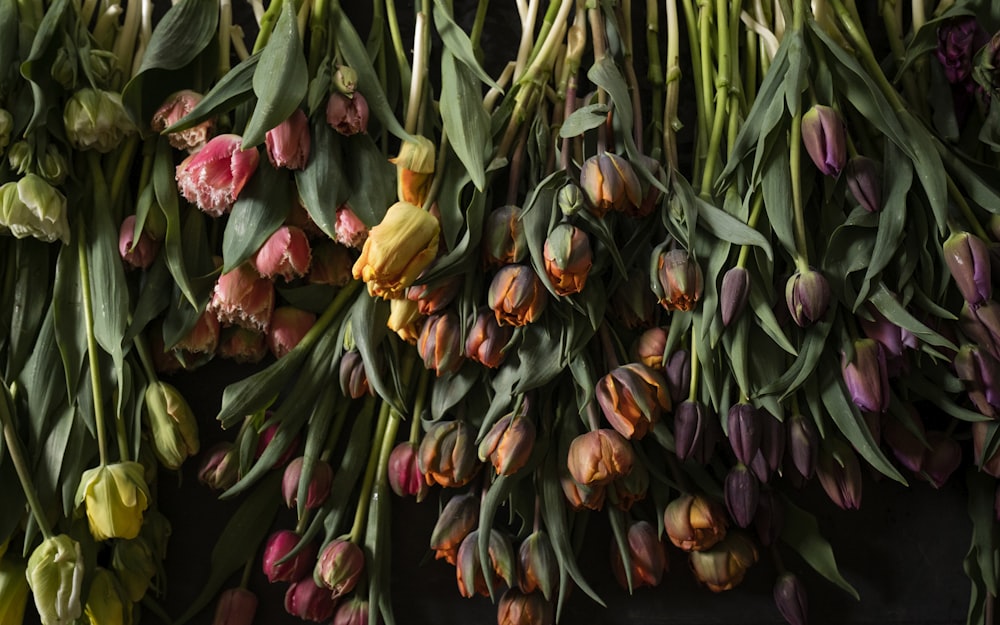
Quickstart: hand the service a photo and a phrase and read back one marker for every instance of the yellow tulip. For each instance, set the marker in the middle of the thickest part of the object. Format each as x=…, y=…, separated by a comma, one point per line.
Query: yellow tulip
x=398, y=250
x=115, y=496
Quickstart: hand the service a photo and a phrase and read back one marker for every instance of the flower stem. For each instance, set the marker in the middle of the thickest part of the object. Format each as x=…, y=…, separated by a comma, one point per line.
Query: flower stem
x=722, y=96
x=758, y=204
x=418, y=405
x=696, y=51
x=361, y=514
x=963, y=205
x=654, y=73
x=476, y=34
x=397, y=42
x=527, y=30
x=695, y=371
x=795, y=164
x=88, y=312
x=267, y=21
x=345, y=295
x=19, y=460
x=673, y=87
x=421, y=52
x=122, y=167
x=225, y=25
x=318, y=33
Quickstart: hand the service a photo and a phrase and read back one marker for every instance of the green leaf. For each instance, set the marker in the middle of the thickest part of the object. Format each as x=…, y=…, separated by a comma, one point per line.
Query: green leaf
x=801, y=533
x=44, y=389
x=256, y=215
x=464, y=119
x=31, y=296
x=180, y=36
x=776, y=185
x=368, y=319
x=166, y=197
x=728, y=228
x=231, y=90
x=68, y=315
x=930, y=169
x=280, y=80
x=259, y=390
x=583, y=119
x=107, y=281
x=322, y=184
x=889, y=306
x=798, y=64
x=347, y=476
x=498, y=493
x=458, y=44
x=37, y=67
x=246, y=529
x=805, y=363
x=983, y=550
x=373, y=179
x=153, y=298
x=8, y=37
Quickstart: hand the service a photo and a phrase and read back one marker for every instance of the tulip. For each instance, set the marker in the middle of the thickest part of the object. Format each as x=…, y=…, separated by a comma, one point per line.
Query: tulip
x=647, y=558
x=518, y=608
x=469, y=569
x=632, y=398
x=353, y=377
x=649, y=350
x=677, y=280
x=598, y=458
x=21, y=157
x=803, y=443
x=140, y=253
x=694, y=522
x=942, y=459
x=790, y=597
x=266, y=437
x=32, y=207
x=340, y=566
x=840, y=475
x=807, y=295
x=770, y=518
x=414, y=169
x=350, y=231
x=440, y=343
x=348, y=115
x=405, y=319
x=13, y=591
x=678, y=375
x=174, y=428
x=156, y=532
x=289, y=325
x=734, y=294
x=405, y=477
x=504, y=242
x=864, y=180
x=582, y=496
x=742, y=493
x=134, y=566
x=724, y=566
x=626, y=491
x=650, y=193
x=331, y=264
x=213, y=178
x=448, y=454
x=745, y=431
x=106, y=602
x=487, y=340
x=894, y=339
x=345, y=80
x=982, y=325
x=116, y=495
x=286, y=253
x=958, y=41
x=55, y=575
x=633, y=303
x=539, y=568
x=570, y=200
x=825, y=139
x=397, y=250
x=907, y=445
x=508, y=444
x=690, y=425
x=309, y=602
x=968, y=259
x=981, y=431
x=434, y=298
x=610, y=184
x=568, y=259
x=866, y=376
x=202, y=339
x=237, y=606
x=243, y=298
x=175, y=108
x=459, y=517
x=288, y=142
x=278, y=567
x=772, y=446
x=354, y=611
x=517, y=296
x=242, y=345
x=96, y=120
x=318, y=489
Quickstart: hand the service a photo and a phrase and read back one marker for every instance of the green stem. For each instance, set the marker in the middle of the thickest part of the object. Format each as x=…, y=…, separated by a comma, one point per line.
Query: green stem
x=795, y=164
x=88, y=308
x=423, y=386
x=695, y=369
x=318, y=34
x=701, y=113
x=121, y=172
x=542, y=59
x=673, y=89
x=867, y=57
x=225, y=37
x=20, y=462
x=145, y=358
x=654, y=73
x=630, y=75
x=893, y=31
x=397, y=43
x=476, y=34
x=345, y=295
x=361, y=514
x=758, y=204
x=267, y=22
x=338, y=425
x=247, y=569
x=421, y=52
x=721, y=96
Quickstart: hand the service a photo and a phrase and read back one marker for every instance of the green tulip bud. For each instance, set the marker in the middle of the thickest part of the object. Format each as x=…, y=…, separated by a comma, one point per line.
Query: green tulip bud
x=106, y=601
x=133, y=563
x=21, y=157
x=175, y=430
x=32, y=207
x=55, y=575
x=96, y=120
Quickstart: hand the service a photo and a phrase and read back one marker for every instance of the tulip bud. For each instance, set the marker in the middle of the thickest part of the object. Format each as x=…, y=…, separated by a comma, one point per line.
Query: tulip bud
x=626, y=491
x=459, y=517
x=864, y=180
x=982, y=325
x=690, y=423
x=348, y=115
x=340, y=566
x=894, y=340
x=840, y=475
x=115, y=496
x=539, y=568
x=678, y=375
x=405, y=319
x=598, y=458
x=968, y=259
x=745, y=431
x=647, y=558
x=980, y=432
x=907, y=446
x=397, y=250
x=517, y=296
x=772, y=446
x=469, y=569
x=581, y=496
x=568, y=259
x=175, y=108
x=742, y=492
x=941, y=460
x=825, y=139
x=242, y=345
x=156, y=532
x=633, y=303
x=866, y=376
x=353, y=377
x=434, y=298
x=288, y=143
x=958, y=41
x=650, y=193
x=508, y=444
x=243, y=298
x=405, y=477
x=32, y=207
x=140, y=253
x=13, y=591
x=354, y=611
x=309, y=602
x=487, y=340
x=677, y=281
x=286, y=253
x=649, y=350
x=518, y=608
x=174, y=428
x=106, y=601
x=318, y=488
x=440, y=343
x=237, y=606
x=213, y=178
x=331, y=264
x=266, y=437
x=632, y=398
x=134, y=566
x=280, y=568
x=55, y=575
x=694, y=522
x=448, y=454
x=6, y=128
x=345, y=80
x=734, y=293
x=414, y=169
x=570, y=200
x=803, y=443
x=807, y=295
x=96, y=120
x=52, y=165
x=504, y=242
x=202, y=339
x=790, y=597
x=770, y=518
x=350, y=231
x=289, y=325
x=610, y=184
x=724, y=566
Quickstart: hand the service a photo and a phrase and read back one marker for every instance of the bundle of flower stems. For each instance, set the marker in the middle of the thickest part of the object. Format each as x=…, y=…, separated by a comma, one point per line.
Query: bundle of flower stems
x=562, y=289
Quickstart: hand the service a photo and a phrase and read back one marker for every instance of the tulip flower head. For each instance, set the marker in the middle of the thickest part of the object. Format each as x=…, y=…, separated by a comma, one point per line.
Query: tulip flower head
x=791, y=600
x=487, y=340
x=677, y=280
x=694, y=522
x=237, y=606
x=140, y=253
x=459, y=517
x=647, y=557
x=825, y=139
x=55, y=574
x=397, y=250
x=724, y=566
x=289, y=325
x=508, y=444
x=115, y=497
x=286, y=253
x=13, y=591
x=213, y=178
x=597, y=458
x=520, y=608
x=288, y=143
x=448, y=454
x=405, y=477
x=175, y=108
x=348, y=115
x=309, y=602
x=568, y=259
x=278, y=567
x=632, y=398
x=107, y=603
x=173, y=426
x=339, y=567
x=31, y=207
x=242, y=297
x=96, y=120
x=517, y=296
x=610, y=183
x=539, y=568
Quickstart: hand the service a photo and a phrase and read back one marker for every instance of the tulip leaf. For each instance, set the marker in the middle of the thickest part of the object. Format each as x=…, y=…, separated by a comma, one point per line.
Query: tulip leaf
x=346, y=476
x=776, y=185
x=458, y=45
x=728, y=228
x=456, y=261
x=154, y=297
x=68, y=315
x=930, y=389
x=981, y=563
x=368, y=319
x=232, y=89
x=256, y=215
x=280, y=80
x=8, y=45
x=316, y=437
x=247, y=527
x=499, y=491
x=373, y=187
x=180, y=36
x=583, y=119
x=30, y=300
x=464, y=118
x=927, y=163
x=259, y=390
x=166, y=196
x=805, y=363
x=890, y=307
x=37, y=67
x=378, y=552
x=977, y=179
x=620, y=532
x=794, y=78
x=801, y=533
x=43, y=390
x=453, y=387
x=322, y=184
